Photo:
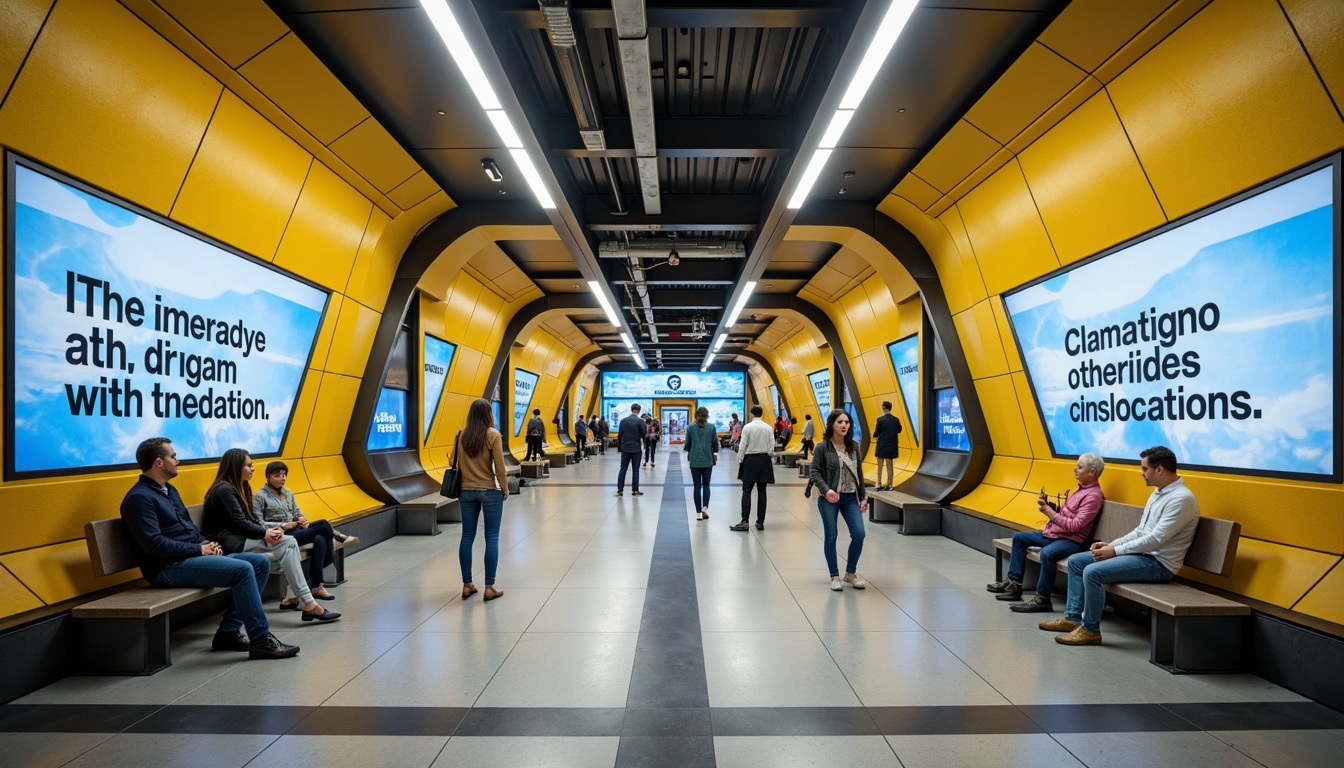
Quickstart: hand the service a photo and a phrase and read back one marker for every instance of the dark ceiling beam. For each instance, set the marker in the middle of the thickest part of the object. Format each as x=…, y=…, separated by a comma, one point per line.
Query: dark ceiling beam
x=696, y=16
x=693, y=272
x=681, y=213
x=683, y=137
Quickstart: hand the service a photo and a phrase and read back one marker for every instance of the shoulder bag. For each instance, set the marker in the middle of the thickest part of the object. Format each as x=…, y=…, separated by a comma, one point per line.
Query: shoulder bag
x=452, y=479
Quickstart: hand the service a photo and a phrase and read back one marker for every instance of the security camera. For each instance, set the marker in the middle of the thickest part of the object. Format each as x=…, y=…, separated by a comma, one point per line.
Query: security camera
x=673, y=258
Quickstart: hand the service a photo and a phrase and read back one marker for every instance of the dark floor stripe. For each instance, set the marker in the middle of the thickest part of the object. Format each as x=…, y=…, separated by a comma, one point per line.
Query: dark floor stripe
x=541, y=721
x=380, y=721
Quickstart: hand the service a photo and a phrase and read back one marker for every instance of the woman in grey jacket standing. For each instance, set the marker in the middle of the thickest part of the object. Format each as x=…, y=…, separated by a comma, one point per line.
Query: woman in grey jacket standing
x=837, y=472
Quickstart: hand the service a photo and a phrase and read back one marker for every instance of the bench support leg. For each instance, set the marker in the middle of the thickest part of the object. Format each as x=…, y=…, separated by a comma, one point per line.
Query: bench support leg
x=337, y=564
x=921, y=522
x=1197, y=643
x=124, y=646
x=881, y=512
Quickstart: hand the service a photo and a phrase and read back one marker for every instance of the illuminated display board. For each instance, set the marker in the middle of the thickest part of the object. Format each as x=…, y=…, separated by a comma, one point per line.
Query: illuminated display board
x=524, y=387
x=438, y=360
x=905, y=361
x=633, y=385
x=821, y=390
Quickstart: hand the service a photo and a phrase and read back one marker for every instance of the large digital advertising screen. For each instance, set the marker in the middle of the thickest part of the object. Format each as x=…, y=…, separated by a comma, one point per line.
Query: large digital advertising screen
x=951, y=434
x=438, y=359
x=388, y=430
x=905, y=361
x=821, y=390
x=583, y=403
x=1216, y=336
x=777, y=402
x=631, y=385
x=721, y=411
x=615, y=410
x=524, y=386
x=121, y=326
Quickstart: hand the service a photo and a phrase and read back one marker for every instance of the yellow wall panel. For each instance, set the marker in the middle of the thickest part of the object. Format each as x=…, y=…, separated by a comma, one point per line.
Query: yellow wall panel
x=1034, y=82
x=1031, y=417
x=324, y=233
x=313, y=507
x=461, y=302
x=372, y=151
x=1325, y=600
x=371, y=276
x=1233, y=82
x=61, y=571
x=235, y=31
x=1087, y=183
x=19, y=24
x=979, y=335
x=331, y=415
x=987, y=498
x=999, y=401
x=332, y=317
x=483, y=320
x=302, y=420
x=1009, y=472
x=1022, y=510
x=958, y=270
x=413, y=191
x=1262, y=508
x=292, y=76
x=881, y=378
x=1272, y=573
x=959, y=152
x=244, y=180
x=1055, y=476
x=917, y=191
x=325, y=471
x=1089, y=31
x=462, y=376
x=1011, y=354
x=1005, y=230
x=353, y=339
x=14, y=597
x=347, y=499
x=1320, y=25
x=128, y=113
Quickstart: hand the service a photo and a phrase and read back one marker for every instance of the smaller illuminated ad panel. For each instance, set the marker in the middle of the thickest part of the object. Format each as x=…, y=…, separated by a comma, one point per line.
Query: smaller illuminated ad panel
x=388, y=430
x=821, y=391
x=524, y=386
x=438, y=359
x=905, y=360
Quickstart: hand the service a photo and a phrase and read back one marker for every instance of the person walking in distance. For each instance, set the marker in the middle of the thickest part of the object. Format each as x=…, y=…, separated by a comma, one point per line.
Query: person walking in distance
x=630, y=440
x=536, y=431
x=580, y=438
x=886, y=449
x=653, y=436
x=809, y=436
x=603, y=432
x=702, y=452
x=754, y=468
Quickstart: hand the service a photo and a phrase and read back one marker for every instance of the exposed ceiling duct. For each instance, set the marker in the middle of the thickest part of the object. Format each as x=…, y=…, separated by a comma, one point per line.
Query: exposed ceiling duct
x=632, y=34
x=685, y=249
x=640, y=289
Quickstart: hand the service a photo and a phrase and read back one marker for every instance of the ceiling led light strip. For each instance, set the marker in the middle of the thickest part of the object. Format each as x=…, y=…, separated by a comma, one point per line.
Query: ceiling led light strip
x=606, y=305
x=741, y=303
x=455, y=40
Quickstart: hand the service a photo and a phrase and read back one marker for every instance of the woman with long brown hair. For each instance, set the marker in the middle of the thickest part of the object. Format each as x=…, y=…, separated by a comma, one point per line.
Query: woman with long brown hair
x=479, y=455
x=228, y=519
x=837, y=471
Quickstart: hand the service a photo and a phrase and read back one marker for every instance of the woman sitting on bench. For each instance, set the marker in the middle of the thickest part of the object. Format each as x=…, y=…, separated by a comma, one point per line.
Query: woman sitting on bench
x=274, y=503
x=229, y=520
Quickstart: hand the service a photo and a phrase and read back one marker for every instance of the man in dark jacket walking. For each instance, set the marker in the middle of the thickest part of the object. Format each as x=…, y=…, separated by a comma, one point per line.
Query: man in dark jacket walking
x=536, y=431
x=888, y=427
x=630, y=438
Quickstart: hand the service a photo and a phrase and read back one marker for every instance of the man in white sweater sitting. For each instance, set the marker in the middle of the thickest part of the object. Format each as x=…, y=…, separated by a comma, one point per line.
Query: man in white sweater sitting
x=1152, y=552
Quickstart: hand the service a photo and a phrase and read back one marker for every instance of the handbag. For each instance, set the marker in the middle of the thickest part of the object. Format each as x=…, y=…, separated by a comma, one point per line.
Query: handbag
x=452, y=479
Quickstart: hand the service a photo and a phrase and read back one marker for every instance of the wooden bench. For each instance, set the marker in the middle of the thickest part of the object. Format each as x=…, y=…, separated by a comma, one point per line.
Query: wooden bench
x=126, y=633
x=788, y=458
x=534, y=470
x=914, y=516
x=804, y=467
x=421, y=516
x=1192, y=630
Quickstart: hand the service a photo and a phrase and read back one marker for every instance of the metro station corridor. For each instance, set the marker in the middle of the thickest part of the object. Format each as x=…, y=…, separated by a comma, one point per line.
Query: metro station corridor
x=631, y=634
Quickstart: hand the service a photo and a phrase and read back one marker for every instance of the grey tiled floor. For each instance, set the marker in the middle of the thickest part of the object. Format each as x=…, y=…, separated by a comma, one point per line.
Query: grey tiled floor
x=575, y=566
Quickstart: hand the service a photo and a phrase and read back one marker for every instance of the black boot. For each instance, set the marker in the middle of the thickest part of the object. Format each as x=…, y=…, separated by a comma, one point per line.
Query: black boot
x=229, y=641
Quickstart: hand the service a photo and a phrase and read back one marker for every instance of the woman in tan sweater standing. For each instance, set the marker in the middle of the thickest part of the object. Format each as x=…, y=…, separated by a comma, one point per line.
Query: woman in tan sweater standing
x=479, y=455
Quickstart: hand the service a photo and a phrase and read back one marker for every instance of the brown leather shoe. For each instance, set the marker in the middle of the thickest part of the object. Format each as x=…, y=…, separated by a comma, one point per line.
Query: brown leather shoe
x=1080, y=636
x=1059, y=625
x=468, y=590
x=742, y=526
x=491, y=593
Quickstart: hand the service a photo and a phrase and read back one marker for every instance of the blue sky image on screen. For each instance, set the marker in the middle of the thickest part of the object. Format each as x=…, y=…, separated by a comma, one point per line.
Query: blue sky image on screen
x=614, y=410
x=524, y=387
x=673, y=384
x=951, y=430
x=388, y=429
x=721, y=411
x=59, y=229
x=438, y=360
x=1267, y=264
x=583, y=403
x=905, y=361
x=497, y=408
x=821, y=391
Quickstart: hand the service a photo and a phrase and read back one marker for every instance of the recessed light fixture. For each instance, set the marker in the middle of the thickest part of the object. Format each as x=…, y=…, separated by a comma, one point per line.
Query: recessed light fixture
x=492, y=171
x=441, y=112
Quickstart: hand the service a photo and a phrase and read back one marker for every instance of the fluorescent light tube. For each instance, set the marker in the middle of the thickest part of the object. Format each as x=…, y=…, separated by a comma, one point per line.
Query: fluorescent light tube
x=640, y=359
x=719, y=343
x=625, y=339
x=837, y=128
x=810, y=175
x=898, y=13
x=737, y=310
x=534, y=181
x=596, y=288
x=456, y=42
x=504, y=128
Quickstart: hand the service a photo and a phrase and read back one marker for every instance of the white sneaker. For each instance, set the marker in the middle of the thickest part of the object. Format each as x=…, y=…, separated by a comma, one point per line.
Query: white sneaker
x=857, y=582
x=837, y=584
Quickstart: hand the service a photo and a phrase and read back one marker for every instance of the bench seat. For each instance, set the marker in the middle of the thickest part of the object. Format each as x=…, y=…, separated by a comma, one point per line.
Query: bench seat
x=914, y=516
x=788, y=458
x=421, y=516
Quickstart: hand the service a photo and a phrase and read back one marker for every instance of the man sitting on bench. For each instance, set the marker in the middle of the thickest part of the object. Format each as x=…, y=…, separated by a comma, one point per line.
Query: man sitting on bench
x=1069, y=526
x=172, y=552
x=1152, y=552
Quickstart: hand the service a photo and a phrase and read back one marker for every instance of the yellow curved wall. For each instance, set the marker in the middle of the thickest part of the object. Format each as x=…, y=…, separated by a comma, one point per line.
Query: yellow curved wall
x=1115, y=123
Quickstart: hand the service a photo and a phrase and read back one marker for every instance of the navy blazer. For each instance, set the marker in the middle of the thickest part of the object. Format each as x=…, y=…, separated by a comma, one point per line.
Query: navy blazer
x=160, y=526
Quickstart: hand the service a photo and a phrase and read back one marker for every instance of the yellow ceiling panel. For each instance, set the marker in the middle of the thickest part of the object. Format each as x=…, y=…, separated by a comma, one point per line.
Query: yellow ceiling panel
x=1004, y=227
x=243, y=183
x=979, y=336
x=61, y=571
x=128, y=116
x=961, y=150
x=19, y=24
x=302, y=419
x=958, y=270
x=917, y=191
x=1233, y=82
x=937, y=209
x=14, y=597
x=1149, y=37
x=375, y=155
x=1038, y=79
x=1008, y=472
x=348, y=499
x=1272, y=573
x=371, y=276
x=236, y=31
x=1320, y=25
x=848, y=263
x=350, y=345
x=1052, y=117
x=1324, y=601
x=325, y=230
x=828, y=282
x=292, y=77
x=413, y=191
x=1088, y=184
x=331, y=417
x=1087, y=32
x=986, y=169
x=999, y=401
x=513, y=282
x=490, y=261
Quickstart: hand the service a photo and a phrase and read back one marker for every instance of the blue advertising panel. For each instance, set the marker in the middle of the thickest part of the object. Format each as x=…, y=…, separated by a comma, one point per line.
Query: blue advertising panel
x=632, y=385
x=583, y=403
x=776, y=402
x=615, y=410
x=721, y=411
x=524, y=386
x=438, y=359
x=905, y=360
x=1217, y=337
x=121, y=327
x=821, y=390
x=388, y=430
x=497, y=408
x=951, y=434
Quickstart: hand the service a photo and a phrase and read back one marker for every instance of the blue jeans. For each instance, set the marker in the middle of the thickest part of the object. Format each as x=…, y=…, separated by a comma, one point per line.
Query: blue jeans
x=1052, y=551
x=472, y=502
x=847, y=507
x=1087, y=580
x=628, y=460
x=700, y=486
x=245, y=573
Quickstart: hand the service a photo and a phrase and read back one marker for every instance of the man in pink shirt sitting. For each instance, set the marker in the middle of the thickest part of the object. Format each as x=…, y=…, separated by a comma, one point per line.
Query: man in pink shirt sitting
x=1068, y=529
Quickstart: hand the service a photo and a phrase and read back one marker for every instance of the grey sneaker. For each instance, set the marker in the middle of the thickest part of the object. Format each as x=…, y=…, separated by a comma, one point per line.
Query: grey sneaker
x=855, y=580
x=1036, y=604
x=837, y=585
x=1006, y=590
